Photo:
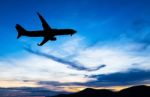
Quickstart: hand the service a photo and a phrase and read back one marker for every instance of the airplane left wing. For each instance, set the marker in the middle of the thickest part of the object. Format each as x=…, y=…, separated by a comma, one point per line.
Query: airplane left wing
x=43, y=42
x=44, y=23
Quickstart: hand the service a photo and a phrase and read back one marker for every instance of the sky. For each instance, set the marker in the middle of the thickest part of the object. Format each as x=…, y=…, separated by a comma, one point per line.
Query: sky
x=111, y=48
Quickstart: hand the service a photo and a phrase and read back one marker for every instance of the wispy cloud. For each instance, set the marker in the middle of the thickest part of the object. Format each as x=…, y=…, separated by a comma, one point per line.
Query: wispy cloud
x=71, y=64
x=76, y=64
x=132, y=77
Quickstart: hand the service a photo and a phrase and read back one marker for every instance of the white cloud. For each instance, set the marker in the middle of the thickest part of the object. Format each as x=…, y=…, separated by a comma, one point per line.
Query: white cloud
x=117, y=58
x=33, y=67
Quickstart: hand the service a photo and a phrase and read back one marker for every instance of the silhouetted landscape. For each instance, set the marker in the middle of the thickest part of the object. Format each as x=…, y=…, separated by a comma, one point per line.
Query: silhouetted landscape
x=27, y=92
x=136, y=91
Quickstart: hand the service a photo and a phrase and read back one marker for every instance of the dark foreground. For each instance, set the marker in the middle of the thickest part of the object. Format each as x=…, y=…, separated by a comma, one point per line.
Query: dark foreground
x=136, y=91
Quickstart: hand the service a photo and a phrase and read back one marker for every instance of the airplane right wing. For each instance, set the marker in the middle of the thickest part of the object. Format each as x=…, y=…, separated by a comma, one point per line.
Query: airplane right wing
x=44, y=23
x=43, y=42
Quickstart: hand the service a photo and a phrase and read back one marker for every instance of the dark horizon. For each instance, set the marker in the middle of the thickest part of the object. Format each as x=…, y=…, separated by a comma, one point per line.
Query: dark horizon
x=136, y=91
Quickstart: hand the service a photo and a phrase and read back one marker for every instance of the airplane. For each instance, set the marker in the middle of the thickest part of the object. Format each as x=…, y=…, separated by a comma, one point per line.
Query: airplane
x=48, y=33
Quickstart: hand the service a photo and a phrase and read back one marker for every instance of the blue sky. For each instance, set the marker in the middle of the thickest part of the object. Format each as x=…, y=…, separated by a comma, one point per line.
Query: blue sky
x=96, y=20
x=113, y=35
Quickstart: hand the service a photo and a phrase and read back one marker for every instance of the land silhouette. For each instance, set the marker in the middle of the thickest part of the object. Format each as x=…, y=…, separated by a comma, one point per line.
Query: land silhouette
x=135, y=91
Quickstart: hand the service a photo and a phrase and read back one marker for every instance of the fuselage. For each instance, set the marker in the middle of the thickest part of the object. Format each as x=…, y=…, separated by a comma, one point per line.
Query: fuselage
x=48, y=33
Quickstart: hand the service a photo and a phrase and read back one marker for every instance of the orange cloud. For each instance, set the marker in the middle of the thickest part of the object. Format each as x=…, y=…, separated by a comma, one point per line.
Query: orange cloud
x=11, y=83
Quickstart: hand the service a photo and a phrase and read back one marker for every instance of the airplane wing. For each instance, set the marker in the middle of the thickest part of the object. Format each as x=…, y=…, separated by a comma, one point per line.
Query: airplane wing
x=44, y=23
x=43, y=42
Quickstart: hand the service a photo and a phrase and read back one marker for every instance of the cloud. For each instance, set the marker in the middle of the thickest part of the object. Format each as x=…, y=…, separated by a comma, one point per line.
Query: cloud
x=120, y=59
x=71, y=64
x=33, y=67
x=117, y=57
x=131, y=77
x=139, y=32
x=76, y=63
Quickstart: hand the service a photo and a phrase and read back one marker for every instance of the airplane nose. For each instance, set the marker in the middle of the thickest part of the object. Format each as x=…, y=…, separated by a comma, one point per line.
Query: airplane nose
x=74, y=31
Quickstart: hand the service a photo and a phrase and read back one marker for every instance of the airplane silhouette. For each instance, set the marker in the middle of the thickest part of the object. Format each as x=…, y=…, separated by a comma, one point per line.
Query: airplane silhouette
x=48, y=33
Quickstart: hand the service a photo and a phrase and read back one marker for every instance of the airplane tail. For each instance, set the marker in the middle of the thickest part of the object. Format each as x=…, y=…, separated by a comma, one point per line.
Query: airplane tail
x=20, y=30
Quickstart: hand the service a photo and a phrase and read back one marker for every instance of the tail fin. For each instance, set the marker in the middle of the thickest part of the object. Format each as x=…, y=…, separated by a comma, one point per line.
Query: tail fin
x=20, y=30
